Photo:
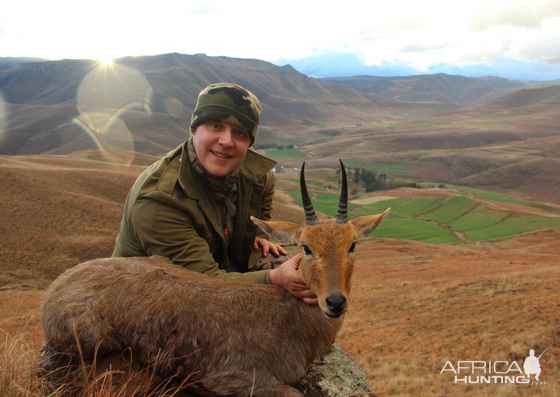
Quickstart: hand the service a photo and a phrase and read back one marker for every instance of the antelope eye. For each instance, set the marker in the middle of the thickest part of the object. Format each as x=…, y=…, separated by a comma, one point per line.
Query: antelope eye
x=307, y=250
x=352, y=248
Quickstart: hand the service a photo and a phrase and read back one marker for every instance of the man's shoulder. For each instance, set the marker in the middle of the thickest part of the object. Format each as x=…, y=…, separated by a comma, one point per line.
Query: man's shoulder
x=162, y=175
x=256, y=166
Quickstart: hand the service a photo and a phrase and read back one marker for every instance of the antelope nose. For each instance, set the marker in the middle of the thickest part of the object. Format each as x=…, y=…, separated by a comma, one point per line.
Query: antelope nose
x=336, y=303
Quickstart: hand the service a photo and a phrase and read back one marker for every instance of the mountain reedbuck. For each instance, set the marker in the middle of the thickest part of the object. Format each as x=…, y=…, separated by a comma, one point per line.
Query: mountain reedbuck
x=228, y=338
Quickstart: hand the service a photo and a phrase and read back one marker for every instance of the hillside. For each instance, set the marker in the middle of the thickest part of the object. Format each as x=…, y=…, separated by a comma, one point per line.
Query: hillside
x=403, y=128
x=454, y=92
x=155, y=97
x=15, y=62
x=414, y=305
x=508, y=144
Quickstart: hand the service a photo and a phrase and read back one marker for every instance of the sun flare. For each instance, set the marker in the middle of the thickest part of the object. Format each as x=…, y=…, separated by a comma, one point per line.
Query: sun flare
x=106, y=61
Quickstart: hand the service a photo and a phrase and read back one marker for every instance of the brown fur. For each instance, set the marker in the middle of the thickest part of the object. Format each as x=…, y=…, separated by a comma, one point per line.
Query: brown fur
x=237, y=339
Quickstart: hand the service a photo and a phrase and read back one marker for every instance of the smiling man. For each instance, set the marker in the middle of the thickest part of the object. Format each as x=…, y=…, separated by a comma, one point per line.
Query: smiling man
x=194, y=205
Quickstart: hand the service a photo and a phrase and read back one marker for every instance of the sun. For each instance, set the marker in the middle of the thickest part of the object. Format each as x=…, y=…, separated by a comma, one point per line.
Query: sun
x=106, y=61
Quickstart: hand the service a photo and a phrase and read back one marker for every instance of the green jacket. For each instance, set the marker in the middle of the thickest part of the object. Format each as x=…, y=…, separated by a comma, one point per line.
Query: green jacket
x=170, y=212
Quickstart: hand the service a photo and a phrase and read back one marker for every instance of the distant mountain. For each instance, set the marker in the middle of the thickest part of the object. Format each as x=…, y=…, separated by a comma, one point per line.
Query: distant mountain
x=11, y=62
x=44, y=98
x=454, y=92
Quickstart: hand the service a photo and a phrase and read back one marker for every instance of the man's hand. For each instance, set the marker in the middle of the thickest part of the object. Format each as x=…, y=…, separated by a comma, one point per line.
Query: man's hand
x=287, y=277
x=267, y=247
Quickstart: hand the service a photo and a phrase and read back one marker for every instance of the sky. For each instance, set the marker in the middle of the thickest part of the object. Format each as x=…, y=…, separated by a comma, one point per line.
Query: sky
x=515, y=39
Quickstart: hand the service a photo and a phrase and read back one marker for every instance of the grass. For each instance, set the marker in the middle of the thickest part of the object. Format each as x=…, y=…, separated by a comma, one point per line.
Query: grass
x=382, y=205
x=19, y=376
x=322, y=202
x=484, y=194
x=453, y=208
x=503, y=198
x=286, y=154
x=419, y=206
x=395, y=226
x=476, y=221
x=381, y=167
x=515, y=224
x=479, y=218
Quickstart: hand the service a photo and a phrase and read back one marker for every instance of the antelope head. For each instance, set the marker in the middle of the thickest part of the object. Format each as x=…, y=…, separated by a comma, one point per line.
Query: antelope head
x=328, y=247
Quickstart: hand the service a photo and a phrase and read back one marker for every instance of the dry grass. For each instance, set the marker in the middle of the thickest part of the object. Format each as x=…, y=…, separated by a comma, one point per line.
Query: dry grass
x=413, y=306
x=20, y=376
x=416, y=306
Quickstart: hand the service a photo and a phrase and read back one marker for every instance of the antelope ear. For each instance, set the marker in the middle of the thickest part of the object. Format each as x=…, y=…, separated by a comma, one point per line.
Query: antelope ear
x=287, y=232
x=365, y=225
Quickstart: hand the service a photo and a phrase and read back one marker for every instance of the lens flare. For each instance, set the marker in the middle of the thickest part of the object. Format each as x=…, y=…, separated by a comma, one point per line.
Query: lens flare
x=113, y=137
x=173, y=107
x=105, y=93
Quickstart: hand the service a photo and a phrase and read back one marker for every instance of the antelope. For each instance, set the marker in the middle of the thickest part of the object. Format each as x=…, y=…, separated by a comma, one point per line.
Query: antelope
x=228, y=338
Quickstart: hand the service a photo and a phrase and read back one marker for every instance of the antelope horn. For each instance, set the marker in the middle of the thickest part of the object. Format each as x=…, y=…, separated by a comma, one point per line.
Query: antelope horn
x=342, y=212
x=310, y=215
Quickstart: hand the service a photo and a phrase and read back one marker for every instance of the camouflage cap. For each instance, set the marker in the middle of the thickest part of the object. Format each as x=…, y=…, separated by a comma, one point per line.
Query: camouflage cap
x=228, y=103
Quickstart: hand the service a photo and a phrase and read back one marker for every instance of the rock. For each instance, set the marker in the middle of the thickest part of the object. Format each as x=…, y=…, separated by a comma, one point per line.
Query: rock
x=336, y=374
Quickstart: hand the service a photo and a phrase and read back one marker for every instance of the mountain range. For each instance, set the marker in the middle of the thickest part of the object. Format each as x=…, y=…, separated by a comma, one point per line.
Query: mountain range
x=488, y=132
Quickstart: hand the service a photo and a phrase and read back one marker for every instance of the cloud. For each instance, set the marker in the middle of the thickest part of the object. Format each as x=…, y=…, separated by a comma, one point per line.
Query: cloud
x=345, y=64
x=525, y=14
x=546, y=49
x=334, y=63
x=423, y=47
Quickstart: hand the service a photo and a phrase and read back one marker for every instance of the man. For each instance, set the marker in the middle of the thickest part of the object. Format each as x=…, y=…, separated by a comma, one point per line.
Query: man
x=194, y=205
x=532, y=366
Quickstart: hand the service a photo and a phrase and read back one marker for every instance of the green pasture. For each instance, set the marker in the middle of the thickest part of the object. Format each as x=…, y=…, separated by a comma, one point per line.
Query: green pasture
x=320, y=175
x=515, y=224
x=501, y=197
x=419, y=206
x=395, y=226
x=322, y=202
x=479, y=218
x=381, y=167
x=286, y=154
x=452, y=209
x=383, y=205
x=461, y=213
x=484, y=194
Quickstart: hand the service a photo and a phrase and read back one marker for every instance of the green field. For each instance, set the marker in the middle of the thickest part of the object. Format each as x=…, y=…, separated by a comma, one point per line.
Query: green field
x=286, y=154
x=501, y=197
x=415, y=219
x=381, y=167
x=419, y=206
x=382, y=205
x=454, y=208
x=395, y=226
x=479, y=218
x=515, y=224
x=322, y=202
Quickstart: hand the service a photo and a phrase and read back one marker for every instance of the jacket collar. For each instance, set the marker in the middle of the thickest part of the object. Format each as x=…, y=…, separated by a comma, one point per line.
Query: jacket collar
x=254, y=168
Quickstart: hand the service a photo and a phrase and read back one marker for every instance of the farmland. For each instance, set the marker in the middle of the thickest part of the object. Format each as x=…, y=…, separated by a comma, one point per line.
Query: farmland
x=453, y=215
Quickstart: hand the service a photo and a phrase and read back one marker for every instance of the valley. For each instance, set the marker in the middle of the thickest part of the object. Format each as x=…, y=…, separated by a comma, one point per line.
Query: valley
x=465, y=267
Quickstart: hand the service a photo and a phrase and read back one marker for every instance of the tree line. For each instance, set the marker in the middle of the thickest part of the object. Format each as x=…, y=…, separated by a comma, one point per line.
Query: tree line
x=373, y=181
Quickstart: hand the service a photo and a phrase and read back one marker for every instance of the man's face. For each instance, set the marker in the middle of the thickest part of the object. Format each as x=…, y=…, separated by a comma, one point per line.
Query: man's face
x=220, y=147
